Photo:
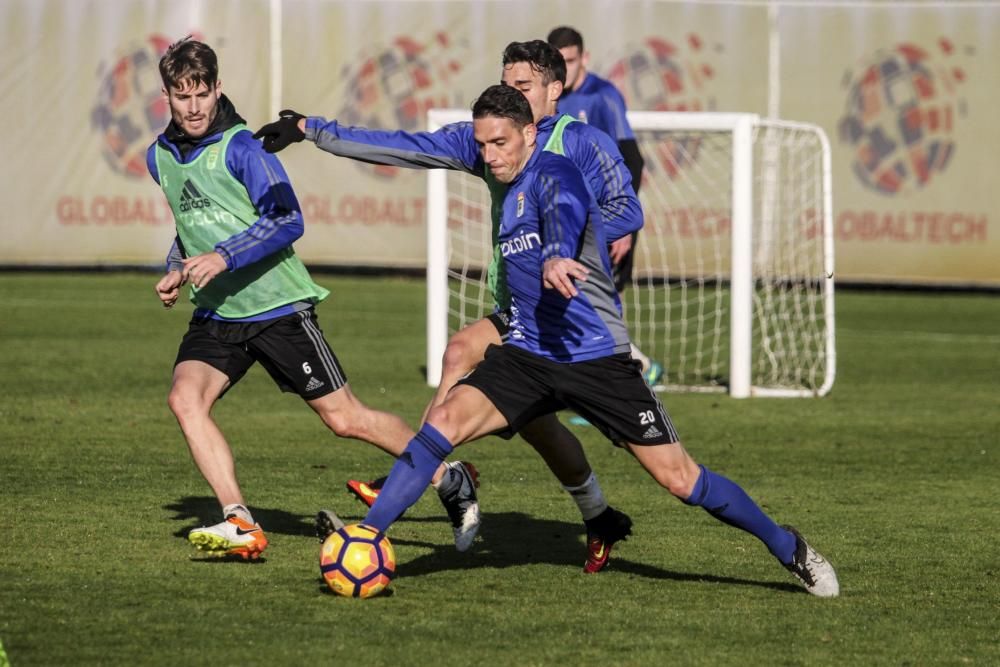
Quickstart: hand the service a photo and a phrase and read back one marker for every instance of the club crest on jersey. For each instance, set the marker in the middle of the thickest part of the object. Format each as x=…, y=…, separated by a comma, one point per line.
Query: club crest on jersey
x=520, y=204
x=213, y=156
x=582, y=116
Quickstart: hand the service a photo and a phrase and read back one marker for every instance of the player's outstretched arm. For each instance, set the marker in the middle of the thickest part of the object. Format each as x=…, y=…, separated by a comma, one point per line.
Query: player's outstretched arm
x=290, y=128
x=451, y=147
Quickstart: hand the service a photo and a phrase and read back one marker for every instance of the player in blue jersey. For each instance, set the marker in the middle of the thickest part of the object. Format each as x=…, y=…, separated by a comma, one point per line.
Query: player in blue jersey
x=568, y=347
x=237, y=217
x=537, y=70
x=595, y=101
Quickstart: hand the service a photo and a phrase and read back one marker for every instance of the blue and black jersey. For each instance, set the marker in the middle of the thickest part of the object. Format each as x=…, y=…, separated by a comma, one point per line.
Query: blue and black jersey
x=548, y=211
x=598, y=103
x=454, y=147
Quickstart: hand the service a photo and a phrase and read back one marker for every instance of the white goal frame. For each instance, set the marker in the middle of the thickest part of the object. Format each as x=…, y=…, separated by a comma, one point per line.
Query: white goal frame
x=743, y=128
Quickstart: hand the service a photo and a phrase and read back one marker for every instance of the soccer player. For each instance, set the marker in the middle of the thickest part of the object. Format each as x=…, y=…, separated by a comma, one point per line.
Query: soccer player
x=537, y=70
x=236, y=218
x=568, y=347
x=593, y=100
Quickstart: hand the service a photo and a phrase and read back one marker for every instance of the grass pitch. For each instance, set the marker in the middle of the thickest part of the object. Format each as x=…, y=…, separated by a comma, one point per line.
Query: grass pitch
x=893, y=477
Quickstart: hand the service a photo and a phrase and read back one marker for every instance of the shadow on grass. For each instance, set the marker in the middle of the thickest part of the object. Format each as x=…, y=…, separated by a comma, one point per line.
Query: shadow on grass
x=508, y=539
x=227, y=559
x=511, y=539
x=204, y=511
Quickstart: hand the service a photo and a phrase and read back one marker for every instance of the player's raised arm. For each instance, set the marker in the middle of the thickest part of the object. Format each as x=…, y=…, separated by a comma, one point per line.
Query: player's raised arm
x=451, y=147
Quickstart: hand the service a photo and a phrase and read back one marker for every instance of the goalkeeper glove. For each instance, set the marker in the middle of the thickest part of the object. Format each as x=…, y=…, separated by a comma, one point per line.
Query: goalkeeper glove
x=282, y=132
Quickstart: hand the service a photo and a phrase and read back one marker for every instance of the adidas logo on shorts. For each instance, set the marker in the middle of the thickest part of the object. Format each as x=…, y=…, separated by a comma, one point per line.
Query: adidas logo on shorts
x=651, y=432
x=314, y=384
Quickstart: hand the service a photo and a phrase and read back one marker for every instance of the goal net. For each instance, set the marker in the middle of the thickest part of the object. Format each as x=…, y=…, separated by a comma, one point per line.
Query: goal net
x=732, y=288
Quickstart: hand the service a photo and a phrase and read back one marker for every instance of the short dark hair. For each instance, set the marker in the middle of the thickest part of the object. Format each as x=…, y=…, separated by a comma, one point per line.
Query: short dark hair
x=189, y=60
x=500, y=101
x=542, y=56
x=564, y=36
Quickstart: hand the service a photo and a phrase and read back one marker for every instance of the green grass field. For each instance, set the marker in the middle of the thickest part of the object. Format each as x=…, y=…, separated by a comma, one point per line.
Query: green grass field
x=893, y=477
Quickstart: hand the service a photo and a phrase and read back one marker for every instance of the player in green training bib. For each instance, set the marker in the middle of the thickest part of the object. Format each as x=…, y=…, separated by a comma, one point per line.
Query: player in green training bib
x=237, y=217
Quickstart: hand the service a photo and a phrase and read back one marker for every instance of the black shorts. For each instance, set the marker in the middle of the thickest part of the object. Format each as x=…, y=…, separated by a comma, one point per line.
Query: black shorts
x=609, y=392
x=500, y=319
x=291, y=348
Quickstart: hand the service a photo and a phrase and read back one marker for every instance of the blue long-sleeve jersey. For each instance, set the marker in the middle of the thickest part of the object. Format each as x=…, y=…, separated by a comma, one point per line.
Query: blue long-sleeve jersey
x=548, y=211
x=280, y=223
x=598, y=103
x=454, y=147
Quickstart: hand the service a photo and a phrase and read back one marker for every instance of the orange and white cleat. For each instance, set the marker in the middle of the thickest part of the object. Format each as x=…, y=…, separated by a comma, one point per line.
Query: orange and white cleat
x=232, y=537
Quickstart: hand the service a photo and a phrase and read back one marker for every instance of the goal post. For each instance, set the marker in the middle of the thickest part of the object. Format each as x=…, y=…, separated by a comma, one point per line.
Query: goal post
x=732, y=287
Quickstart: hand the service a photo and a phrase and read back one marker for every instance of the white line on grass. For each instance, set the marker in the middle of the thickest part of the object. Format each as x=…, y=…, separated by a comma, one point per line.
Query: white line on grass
x=928, y=336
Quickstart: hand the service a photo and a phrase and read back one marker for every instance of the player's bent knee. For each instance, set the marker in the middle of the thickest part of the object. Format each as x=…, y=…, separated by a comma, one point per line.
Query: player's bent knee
x=343, y=423
x=460, y=357
x=679, y=488
x=442, y=418
x=678, y=479
x=185, y=403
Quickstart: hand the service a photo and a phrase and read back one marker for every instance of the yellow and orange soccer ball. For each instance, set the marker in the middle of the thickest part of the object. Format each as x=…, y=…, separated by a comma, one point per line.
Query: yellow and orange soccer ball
x=357, y=561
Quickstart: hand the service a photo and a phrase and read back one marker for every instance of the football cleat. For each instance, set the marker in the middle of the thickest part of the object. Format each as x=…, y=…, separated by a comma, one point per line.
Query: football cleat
x=458, y=495
x=603, y=531
x=327, y=523
x=232, y=537
x=814, y=571
x=366, y=492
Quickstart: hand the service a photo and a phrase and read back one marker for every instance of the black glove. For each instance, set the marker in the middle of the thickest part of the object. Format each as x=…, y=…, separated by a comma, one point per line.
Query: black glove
x=280, y=133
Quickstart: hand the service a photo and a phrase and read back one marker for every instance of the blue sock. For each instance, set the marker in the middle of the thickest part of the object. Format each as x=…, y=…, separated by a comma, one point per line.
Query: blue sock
x=728, y=502
x=409, y=476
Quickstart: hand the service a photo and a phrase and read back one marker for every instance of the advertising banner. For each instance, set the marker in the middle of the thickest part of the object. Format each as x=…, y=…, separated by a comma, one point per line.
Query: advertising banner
x=903, y=90
x=905, y=94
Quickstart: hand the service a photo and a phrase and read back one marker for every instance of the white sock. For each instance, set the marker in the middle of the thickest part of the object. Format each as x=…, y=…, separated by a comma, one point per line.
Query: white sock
x=643, y=359
x=588, y=497
x=239, y=510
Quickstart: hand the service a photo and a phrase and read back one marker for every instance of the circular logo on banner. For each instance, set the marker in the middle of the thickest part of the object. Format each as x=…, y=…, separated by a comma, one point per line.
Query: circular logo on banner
x=659, y=75
x=902, y=106
x=130, y=107
x=396, y=86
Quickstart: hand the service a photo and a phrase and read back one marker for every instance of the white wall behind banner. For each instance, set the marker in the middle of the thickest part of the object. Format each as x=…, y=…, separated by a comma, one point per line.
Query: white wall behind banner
x=905, y=91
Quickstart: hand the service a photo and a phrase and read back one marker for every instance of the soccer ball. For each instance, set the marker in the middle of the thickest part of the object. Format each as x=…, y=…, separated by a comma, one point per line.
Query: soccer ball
x=357, y=561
